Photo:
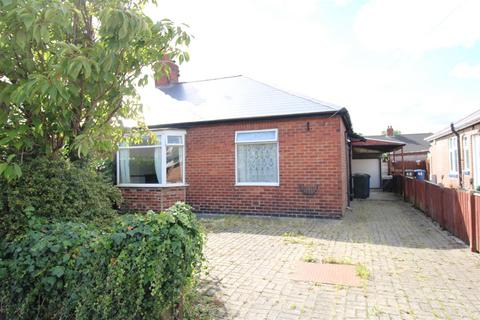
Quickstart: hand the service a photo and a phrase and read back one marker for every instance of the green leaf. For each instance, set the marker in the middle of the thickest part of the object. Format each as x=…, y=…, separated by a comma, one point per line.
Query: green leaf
x=44, y=33
x=49, y=14
x=21, y=39
x=5, y=140
x=28, y=20
x=3, y=166
x=87, y=69
x=17, y=170
x=74, y=68
x=118, y=237
x=37, y=33
x=49, y=281
x=58, y=271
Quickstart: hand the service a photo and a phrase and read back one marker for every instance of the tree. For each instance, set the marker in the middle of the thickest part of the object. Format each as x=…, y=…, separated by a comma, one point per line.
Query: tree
x=69, y=71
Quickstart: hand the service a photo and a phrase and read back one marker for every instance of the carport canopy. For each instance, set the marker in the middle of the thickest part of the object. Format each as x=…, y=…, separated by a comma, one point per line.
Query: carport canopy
x=367, y=154
x=368, y=146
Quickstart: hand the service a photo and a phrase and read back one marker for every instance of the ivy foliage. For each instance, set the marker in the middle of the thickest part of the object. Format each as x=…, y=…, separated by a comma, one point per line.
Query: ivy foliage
x=134, y=269
x=56, y=188
x=69, y=71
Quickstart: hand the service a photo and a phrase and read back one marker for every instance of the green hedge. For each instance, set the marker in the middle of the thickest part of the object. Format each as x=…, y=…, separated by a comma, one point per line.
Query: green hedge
x=134, y=269
x=56, y=188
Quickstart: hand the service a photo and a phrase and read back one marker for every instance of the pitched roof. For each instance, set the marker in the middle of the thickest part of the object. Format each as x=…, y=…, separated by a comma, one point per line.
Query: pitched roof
x=463, y=123
x=414, y=142
x=229, y=98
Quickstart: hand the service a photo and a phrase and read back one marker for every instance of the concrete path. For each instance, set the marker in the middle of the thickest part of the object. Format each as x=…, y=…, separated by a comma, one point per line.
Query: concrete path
x=416, y=270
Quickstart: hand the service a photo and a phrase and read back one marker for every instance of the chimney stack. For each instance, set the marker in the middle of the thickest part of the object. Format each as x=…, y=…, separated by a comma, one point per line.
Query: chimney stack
x=389, y=131
x=170, y=73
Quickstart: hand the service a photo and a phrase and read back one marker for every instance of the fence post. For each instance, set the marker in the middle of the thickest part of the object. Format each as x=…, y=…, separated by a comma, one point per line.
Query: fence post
x=415, y=193
x=473, y=224
x=441, y=216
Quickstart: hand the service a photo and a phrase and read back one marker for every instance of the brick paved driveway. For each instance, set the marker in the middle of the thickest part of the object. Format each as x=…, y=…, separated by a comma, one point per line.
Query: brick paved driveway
x=416, y=270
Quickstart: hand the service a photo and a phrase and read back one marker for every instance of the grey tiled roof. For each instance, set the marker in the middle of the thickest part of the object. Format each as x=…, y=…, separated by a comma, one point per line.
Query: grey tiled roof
x=236, y=97
x=414, y=142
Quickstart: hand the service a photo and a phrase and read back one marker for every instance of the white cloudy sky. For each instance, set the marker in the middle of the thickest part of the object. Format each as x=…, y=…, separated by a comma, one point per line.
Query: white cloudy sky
x=412, y=64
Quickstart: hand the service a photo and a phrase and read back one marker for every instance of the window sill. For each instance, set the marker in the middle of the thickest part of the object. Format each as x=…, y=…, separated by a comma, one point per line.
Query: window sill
x=141, y=185
x=453, y=175
x=258, y=184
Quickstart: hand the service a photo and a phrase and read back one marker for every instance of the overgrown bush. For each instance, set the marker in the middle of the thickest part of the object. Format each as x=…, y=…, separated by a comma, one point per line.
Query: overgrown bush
x=55, y=188
x=134, y=269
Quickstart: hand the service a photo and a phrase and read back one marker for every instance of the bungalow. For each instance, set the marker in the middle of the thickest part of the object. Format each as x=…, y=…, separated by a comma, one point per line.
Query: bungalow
x=455, y=154
x=236, y=145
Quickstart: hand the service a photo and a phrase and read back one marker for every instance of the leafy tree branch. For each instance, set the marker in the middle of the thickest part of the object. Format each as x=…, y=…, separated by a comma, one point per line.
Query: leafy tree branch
x=69, y=72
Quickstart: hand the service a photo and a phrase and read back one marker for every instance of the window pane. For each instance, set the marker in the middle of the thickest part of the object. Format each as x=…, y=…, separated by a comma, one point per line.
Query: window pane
x=174, y=164
x=257, y=163
x=467, y=159
x=140, y=165
x=174, y=140
x=256, y=136
x=455, y=161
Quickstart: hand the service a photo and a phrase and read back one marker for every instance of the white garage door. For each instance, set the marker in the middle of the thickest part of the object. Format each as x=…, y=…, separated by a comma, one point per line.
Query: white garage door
x=369, y=166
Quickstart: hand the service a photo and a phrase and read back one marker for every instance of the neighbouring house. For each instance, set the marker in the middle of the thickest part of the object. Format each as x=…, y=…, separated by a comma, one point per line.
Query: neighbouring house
x=455, y=154
x=415, y=151
x=236, y=145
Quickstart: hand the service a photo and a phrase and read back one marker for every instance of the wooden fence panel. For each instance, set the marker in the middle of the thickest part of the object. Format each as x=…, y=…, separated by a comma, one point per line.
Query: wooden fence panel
x=449, y=208
x=410, y=189
x=436, y=203
x=419, y=197
x=428, y=203
x=462, y=218
x=476, y=222
x=398, y=184
x=464, y=223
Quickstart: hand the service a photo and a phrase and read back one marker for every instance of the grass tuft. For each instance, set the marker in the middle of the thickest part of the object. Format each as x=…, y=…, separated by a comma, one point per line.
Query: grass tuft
x=308, y=257
x=332, y=260
x=362, y=272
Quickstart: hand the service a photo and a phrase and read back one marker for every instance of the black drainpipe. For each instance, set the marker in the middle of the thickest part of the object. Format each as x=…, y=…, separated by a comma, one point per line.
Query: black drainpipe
x=349, y=166
x=459, y=151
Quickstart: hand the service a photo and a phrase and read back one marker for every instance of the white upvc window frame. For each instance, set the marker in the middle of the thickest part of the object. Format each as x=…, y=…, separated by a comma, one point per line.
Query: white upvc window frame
x=476, y=160
x=237, y=143
x=466, y=157
x=163, y=144
x=453, y=156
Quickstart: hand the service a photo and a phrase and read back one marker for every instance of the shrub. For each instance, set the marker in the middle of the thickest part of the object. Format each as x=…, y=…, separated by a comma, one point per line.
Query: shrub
x=56, y=188
x=134, y=269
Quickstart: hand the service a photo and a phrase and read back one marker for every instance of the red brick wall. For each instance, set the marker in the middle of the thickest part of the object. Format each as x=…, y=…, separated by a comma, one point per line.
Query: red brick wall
x=157, y=199
x=308, y=157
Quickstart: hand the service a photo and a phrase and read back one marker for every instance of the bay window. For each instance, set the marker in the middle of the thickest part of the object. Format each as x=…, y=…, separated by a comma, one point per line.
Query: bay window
x=159, y=163
x=257, y=157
